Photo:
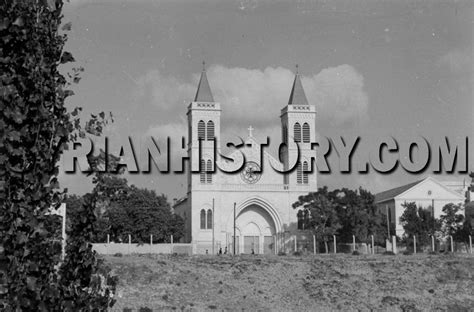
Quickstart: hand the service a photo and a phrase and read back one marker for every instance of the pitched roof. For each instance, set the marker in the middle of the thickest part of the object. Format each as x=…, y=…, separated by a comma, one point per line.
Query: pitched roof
x=297, y=95
x=389, y=194
x=203, y=93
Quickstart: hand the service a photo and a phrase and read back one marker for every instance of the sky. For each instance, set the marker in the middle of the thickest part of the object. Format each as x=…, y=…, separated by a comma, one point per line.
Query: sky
x=372, y=69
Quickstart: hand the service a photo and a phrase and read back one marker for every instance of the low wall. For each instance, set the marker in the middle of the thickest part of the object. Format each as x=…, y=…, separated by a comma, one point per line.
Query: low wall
x=113, y=248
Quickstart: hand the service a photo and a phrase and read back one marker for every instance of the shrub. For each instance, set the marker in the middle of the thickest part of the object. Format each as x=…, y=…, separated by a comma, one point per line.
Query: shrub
x=282, y=253
x=355, y=253
x=407, y=253
x=118, y=254
x=389, y=253
x=297, y=253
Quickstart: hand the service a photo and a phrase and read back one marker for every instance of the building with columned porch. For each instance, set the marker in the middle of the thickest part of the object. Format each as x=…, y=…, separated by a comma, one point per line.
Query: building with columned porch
x=264, y=218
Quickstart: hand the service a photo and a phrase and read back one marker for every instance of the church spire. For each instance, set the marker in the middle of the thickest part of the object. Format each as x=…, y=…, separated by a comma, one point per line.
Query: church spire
x=297, y=95
x=203, y=93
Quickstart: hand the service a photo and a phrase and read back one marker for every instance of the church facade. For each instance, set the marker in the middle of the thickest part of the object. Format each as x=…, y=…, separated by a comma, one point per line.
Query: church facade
x=255, y=203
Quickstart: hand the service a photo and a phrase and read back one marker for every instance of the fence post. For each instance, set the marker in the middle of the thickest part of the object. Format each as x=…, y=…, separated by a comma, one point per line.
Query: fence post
x=414, y=244
x=470, y=244
x=432, y=243
x=151, y=242
x=274, y=245
x=172, y=249
x=314, y=244
x=108, y=239
x=394, y=244
x=353, y=243
x=373, y=246
x=452, y=245
x=334, y=237
x=129, y=242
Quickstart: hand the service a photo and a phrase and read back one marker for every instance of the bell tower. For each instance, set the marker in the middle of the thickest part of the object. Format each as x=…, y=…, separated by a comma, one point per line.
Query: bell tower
x=298, y=124
x=204, y=135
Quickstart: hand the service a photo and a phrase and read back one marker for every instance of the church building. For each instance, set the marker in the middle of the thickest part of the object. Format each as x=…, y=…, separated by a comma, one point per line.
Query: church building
x=256, y=202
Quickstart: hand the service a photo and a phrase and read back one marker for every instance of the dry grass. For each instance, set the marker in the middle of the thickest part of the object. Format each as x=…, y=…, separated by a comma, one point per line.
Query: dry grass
x=289, y=283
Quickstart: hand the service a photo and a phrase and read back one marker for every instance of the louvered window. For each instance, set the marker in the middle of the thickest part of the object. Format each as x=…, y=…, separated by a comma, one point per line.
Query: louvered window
x=306, y=136
x=202, y=172
x=210, y=130
x=201, y=130
x=299, y=174
x=305, y=172
x=209, y=171
x=297, y=132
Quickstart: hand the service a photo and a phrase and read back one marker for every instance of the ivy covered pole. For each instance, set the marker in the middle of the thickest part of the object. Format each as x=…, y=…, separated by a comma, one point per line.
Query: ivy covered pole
x=35, y=129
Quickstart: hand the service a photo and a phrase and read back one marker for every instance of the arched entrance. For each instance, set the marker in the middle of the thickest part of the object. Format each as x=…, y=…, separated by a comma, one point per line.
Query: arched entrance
x=255, y=229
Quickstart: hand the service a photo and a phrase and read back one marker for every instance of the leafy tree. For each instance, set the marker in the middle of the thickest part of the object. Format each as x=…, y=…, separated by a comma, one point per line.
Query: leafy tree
x=141, y=213
x=419, y=222
x=321, y=207
x=35, y=128
x=451, y=219
x=358, y=215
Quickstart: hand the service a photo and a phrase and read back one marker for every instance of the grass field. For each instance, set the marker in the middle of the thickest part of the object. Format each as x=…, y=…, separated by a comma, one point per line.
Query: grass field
x=290, y=283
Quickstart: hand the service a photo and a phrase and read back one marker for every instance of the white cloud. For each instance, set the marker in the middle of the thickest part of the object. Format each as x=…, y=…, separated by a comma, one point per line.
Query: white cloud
x=165, y=92
x=253, y=96
x=171, y=130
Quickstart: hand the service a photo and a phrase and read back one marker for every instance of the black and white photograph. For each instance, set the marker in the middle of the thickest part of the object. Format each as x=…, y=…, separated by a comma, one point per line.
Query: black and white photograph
x=236, y=155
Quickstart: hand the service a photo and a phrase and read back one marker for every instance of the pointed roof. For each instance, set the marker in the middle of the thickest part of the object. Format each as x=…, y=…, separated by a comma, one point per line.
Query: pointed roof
x=392, y=193
x=204, y=93
x=297, y=95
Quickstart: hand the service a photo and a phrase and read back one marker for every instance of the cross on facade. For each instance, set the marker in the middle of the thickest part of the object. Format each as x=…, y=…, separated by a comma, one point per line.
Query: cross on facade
x=250, y=129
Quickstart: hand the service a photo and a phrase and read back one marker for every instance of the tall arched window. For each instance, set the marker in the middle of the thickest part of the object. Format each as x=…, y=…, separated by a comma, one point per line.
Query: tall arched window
x=297, y=132
x=299, y=174
x=201, y=130
x=306, y=136
x=210, y=130
x=209, y=171
x=202, y=172
x=305, y=172
x=203, y=219
x=209, y=219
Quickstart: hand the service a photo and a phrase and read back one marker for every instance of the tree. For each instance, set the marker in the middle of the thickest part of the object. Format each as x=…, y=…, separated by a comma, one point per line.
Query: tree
x=467, y=229
x=451, y=219
x=358, y=215
x=418, y=222
x=323, y=219
x=142, y=213
x=35, y=129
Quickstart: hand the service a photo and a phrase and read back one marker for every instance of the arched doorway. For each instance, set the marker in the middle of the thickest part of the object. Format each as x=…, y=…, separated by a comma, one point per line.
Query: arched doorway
x=256, y=230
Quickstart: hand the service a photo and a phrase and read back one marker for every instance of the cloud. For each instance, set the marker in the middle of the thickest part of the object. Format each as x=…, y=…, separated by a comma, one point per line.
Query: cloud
x=172, y=130
x=457, y=61
x=165, y=92
x=256, y=96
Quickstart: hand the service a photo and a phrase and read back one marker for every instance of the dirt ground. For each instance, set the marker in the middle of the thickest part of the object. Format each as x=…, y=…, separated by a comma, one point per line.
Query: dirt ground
x=290, y=283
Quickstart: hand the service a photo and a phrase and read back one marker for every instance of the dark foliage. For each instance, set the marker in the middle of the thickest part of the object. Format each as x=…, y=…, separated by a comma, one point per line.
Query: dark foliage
x=35, y=128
